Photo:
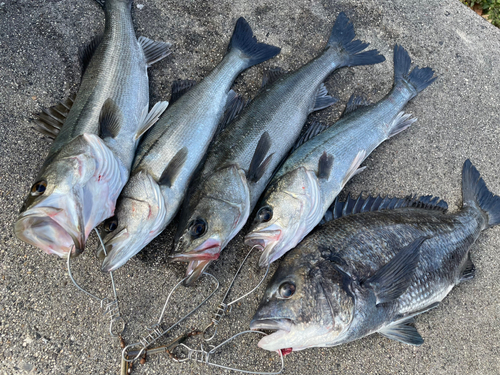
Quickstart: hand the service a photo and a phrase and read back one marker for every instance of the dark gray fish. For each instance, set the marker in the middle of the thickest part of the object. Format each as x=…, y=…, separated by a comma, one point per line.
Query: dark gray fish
x=170, y=153
x=242, y=159
x=96, y=136
x=306, y=185
x=381, y=263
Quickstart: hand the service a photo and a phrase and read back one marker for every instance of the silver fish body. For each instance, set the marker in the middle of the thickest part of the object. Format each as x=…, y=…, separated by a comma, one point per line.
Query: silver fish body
x=81, y=178
x=306, y=185
x=242, y=159
x=170, y=153
x=381, y=263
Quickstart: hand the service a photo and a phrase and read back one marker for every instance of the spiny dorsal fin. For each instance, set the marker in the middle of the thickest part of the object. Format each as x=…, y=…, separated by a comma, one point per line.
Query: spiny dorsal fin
x=258, y=165
x=179, y=88
x=149, y=119
x=110, y=119
x=402, y=332
x=86, y=52
x=351, y=206
x=400, y=123
x=325, y=165
x=355, y=102
x=272, y=75
x=312, y=131
x=323, y=100
x=51, y=120
x=153, y=50
x=234, y=105
x=173, y=168
x=392, y=280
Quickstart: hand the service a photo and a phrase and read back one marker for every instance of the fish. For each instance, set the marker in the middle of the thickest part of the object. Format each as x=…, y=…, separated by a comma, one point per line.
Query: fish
x=172, y=150
x=373, y=267
x=305, y=186
x=241, y=160
x=96, y=134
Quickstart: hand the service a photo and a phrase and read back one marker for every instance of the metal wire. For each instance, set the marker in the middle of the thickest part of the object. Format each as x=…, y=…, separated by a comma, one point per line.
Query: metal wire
x=222, y=309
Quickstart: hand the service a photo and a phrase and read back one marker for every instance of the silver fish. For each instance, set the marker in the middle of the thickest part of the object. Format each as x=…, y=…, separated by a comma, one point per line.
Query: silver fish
x=170, y=153
x=381, y=263
x=242, y=159
x=95, y=138
x=306, y=185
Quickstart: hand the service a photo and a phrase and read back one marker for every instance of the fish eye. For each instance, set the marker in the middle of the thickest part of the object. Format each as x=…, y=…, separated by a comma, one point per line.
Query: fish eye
x=197, y=228
x=111, y=224
x=287, y=290
x=38, y=188
x=265, y=214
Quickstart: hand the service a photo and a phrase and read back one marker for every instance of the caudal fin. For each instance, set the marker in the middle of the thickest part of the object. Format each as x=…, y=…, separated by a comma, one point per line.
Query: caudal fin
x=341, y=39
x=475, y=193
x=419, y=78
x=244, y=40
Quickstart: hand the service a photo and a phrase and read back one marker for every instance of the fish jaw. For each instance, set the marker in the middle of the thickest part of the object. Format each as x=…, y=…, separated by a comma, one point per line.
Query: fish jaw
x=267, y=240
x=282, y=328
x=55, y=230
x=208, y=250
x=194, y=270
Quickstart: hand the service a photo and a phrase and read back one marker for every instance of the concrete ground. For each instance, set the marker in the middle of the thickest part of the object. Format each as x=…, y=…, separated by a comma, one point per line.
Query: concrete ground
x=49, y=327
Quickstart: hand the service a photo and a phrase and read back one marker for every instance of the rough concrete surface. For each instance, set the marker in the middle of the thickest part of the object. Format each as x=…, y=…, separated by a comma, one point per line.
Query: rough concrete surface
x=49, y=327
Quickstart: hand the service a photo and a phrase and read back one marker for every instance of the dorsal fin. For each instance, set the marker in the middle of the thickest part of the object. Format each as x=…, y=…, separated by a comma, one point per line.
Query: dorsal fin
x=312, y=131
x=354, y=206
x=51, y=120
x=272, y=75
x=110, y=119
x=323, y=100
x=173, y=168
x=234, y=105
x=154, y=51
x=148, y=119
x=179, y=88
x=258, y=165
x=355, y=102
x=86, y=52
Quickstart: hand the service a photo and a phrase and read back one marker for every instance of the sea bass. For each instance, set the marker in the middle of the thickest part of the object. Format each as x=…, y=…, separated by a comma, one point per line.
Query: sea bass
x=382, y=262
x=306, y=185
x=242, y=159
x=172, y=150
x=95, y=138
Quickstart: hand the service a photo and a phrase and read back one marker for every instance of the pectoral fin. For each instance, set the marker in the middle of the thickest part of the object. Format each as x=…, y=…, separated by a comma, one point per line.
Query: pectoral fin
x=173, y=168
x=110, y=119
x=392, y=280
x=259, y=163
x=325, y=166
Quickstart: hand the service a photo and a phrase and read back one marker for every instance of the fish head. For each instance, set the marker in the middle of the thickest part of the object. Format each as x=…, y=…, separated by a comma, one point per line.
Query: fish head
x=139, y=217
x=306, y=302
x=214, y=215
x=60, y=209
x=288, y=211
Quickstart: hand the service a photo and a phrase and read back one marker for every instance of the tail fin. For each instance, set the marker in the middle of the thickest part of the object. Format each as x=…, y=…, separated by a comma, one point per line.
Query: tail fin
x=341, y=39
x=419, y=78
x=475, y=193
x=244, y=40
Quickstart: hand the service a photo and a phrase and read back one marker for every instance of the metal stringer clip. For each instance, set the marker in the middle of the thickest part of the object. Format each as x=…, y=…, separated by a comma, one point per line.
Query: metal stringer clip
x=226, y=308
x=205, y=357
x=111, y=308
x=156, y=331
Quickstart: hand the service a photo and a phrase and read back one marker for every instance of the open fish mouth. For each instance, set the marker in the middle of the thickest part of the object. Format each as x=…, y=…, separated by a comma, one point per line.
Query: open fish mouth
x=49, y=229
x=194, y=270
x=117, y=249
x=282, y=327
x=205, y=252
x=266, y=240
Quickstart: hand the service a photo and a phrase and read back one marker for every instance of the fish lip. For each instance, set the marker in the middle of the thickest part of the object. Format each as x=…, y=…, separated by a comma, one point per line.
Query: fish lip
x=266, y=240
x=194, y=274
x=115, y=259
x=278, y=324
x=47, y=214
x=201, y=253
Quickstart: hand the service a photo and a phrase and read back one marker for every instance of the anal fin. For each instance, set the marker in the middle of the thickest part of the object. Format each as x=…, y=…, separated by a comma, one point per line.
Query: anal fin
x=149, y=119
x=468, y=271
x=392, y=280
x=51, y=120
x=173, y=168
x=153, y=50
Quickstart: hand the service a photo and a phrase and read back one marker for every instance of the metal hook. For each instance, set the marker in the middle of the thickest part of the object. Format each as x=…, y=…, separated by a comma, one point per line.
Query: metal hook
x=223, y=308
x=203, y=356
x=155, y=330
x=110, y=308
